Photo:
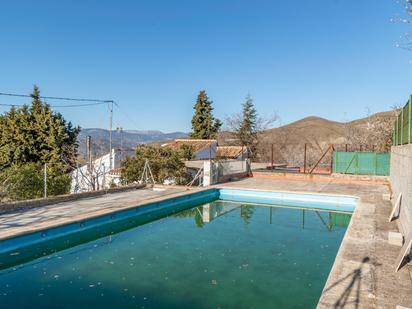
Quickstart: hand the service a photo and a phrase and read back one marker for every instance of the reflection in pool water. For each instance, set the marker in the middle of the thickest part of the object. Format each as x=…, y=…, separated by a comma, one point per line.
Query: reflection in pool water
x=219, y=254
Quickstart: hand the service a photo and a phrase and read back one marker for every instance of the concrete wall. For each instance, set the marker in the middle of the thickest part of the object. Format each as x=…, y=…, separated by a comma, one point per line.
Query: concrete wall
x=401, y=181
x=224, y=171
x=99, y=176
x=204, y=154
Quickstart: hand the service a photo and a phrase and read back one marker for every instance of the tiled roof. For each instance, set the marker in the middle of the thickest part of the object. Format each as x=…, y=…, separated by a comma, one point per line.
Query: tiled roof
x=230, y=151
x=197, y=144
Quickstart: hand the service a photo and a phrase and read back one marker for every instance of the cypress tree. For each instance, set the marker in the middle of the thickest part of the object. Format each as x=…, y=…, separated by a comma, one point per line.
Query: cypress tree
x=204, y=125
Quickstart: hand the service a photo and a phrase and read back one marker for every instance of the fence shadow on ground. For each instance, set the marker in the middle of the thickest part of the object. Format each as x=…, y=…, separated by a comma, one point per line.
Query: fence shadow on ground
x=352, y=291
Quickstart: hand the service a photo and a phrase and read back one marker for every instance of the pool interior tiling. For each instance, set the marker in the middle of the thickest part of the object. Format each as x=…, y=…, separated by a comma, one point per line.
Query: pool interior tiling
x=220, y=254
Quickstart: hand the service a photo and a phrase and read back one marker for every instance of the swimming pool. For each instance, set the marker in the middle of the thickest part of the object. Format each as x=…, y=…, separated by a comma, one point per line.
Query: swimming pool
x=215, y=248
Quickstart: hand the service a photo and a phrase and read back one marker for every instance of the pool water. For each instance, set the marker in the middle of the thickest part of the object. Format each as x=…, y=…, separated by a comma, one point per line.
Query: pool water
x=217, y=255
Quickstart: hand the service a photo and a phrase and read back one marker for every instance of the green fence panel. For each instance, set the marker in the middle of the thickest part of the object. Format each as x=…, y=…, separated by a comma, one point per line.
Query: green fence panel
x=383, y=164
x=338, y=219
x=402, y=128
x=361, y=163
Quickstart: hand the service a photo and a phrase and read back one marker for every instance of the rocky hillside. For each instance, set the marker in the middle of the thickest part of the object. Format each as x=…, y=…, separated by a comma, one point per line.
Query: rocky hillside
x=371, y=133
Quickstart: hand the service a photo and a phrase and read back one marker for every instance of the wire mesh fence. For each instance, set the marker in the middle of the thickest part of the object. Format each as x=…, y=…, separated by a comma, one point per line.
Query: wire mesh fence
x=310, y=157
x=402, y=127
x=36, y=180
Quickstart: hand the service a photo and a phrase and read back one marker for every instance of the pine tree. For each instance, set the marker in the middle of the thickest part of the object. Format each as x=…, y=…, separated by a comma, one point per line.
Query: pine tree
x=246, y=129
x=37, y=134
x=204, y=125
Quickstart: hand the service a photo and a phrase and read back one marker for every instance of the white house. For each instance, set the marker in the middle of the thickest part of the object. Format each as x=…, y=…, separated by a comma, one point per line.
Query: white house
x=102, y=173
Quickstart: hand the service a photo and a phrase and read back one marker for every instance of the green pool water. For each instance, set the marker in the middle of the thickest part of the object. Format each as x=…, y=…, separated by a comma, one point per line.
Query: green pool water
x=217, y=255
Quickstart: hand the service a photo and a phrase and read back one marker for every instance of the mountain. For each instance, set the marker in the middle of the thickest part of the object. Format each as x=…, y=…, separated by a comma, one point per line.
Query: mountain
x=288, y=141
x=371, y=133
x=128, y=139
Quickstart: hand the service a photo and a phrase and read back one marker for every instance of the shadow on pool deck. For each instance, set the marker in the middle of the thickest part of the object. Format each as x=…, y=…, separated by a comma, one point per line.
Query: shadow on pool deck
x=355, y=283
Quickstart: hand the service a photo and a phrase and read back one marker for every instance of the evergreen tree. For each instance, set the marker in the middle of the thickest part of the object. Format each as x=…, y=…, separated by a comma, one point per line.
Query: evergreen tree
x=247, y=131
x=37, y=134
x=204, y=125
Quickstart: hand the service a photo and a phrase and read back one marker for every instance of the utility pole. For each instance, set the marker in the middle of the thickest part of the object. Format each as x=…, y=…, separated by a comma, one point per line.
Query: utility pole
x=89, y=153
x=110, y=103
x=120, y=129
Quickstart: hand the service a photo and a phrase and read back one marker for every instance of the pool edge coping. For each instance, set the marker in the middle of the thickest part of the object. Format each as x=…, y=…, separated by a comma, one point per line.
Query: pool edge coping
x=46, y=225
x=95, y=214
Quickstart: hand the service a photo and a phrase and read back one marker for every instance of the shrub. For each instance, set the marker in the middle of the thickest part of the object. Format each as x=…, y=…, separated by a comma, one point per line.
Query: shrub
x=22, y=182
x=165, y=163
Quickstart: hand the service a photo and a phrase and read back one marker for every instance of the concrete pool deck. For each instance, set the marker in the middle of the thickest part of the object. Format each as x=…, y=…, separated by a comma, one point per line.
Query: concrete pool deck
x=27, y=221
x=362, y=276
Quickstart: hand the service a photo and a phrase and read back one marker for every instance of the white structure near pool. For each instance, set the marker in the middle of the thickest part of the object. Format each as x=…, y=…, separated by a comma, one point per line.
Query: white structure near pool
x=101, y=173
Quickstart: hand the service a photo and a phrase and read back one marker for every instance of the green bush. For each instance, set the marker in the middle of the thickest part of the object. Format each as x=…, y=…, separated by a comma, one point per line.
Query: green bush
x=22, y=182
x=165, y=163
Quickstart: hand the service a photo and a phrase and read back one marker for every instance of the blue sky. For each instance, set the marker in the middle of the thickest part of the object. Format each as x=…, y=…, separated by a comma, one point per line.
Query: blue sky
x=330, y=58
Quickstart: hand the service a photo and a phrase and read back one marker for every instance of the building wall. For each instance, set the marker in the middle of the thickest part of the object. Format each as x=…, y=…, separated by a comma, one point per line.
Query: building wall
x=98, y=176
x=401, y=181
x=204, y=154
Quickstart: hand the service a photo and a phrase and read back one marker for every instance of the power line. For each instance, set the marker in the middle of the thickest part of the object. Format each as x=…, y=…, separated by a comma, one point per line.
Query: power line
x=96, y=101
x=79, y=105
x=72, y=105
x=55, y=98
x=131, y=120
x=109, y=103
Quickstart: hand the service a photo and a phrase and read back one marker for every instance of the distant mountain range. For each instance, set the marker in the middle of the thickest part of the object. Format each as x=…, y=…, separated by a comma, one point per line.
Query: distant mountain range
x=289, y=140
x=128, y=138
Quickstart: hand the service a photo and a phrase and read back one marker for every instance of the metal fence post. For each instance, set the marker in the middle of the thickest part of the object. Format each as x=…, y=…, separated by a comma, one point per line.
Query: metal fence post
x=376, y=163
x=397, y=130
x=304, y=160
x=104, y=177
x=331, y=162
x=357, y=162
x=271, y=159
x=393, y=135
x=402, y=126
x=409, y=118
x=45, y=181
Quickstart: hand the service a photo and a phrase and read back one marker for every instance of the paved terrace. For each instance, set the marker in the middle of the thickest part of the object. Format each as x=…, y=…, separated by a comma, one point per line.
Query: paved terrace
x=22, y=222
x=363, y=274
